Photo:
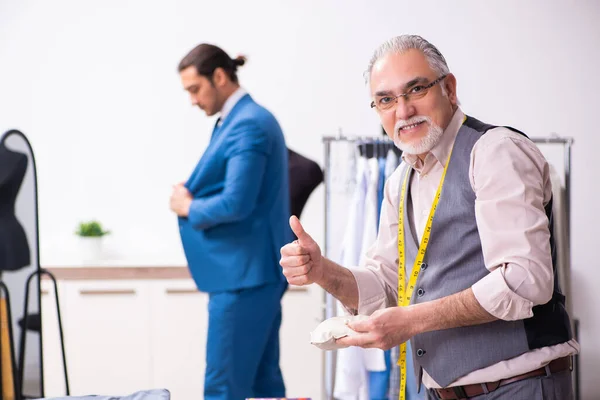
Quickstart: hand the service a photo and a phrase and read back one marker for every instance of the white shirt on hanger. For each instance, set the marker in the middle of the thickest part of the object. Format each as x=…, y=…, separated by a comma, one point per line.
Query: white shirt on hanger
x=391, y=163
x=351, y=379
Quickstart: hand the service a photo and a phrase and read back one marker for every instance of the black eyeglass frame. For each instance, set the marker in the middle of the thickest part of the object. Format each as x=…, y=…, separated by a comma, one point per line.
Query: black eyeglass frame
x=408, y=95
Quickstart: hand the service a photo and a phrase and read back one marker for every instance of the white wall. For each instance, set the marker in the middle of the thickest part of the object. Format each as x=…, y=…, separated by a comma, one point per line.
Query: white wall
x=94, y=86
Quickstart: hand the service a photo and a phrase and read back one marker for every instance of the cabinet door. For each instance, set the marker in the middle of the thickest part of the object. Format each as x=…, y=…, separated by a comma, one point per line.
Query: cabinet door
x=301, y=362
x=107, y=329
x=179, y=326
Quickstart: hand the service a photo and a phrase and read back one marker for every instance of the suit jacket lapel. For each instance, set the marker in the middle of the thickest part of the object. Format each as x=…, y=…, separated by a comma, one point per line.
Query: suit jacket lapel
x=214, y=141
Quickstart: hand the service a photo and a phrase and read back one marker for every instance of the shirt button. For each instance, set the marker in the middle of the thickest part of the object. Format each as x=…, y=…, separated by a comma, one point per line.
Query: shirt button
x=420, y=292
x=423, y=266
x=420, y=352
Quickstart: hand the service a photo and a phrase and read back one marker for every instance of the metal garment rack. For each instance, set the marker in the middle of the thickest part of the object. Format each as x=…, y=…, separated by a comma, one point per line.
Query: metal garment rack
x=329, y=305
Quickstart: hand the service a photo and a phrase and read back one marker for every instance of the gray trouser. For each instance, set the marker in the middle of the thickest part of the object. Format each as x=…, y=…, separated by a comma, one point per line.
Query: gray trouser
x=554, y=387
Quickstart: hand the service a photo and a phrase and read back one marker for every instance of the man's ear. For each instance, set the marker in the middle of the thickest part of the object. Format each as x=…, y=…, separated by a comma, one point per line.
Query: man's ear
x=450, y=86
x=219, y=77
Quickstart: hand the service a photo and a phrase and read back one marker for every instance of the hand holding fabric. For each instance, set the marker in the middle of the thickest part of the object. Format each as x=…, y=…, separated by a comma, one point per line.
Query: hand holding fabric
x=384, y=329
x=327, y=332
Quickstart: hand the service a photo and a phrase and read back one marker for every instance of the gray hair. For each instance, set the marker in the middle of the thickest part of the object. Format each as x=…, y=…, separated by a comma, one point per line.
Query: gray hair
x=403, y=43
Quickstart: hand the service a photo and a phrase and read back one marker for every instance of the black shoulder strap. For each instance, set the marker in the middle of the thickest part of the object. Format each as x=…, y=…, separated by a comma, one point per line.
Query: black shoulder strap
x=483, y=127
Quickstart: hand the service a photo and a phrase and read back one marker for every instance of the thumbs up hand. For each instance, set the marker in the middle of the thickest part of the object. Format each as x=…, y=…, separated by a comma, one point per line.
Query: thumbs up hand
x=301, y=260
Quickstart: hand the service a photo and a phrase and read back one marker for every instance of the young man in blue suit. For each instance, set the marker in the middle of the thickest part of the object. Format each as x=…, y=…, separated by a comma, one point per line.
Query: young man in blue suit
x=233, y=213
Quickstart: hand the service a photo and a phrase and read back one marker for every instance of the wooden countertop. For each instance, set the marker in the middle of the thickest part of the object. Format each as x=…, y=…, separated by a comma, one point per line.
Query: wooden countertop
x=117, y=273
x=90, y=273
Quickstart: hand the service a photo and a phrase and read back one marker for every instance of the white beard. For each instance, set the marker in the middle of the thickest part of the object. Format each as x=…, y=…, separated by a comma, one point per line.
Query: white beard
x=426, y=143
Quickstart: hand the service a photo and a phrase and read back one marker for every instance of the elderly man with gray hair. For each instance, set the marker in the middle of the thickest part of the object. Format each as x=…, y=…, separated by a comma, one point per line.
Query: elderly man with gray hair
x=464, y=262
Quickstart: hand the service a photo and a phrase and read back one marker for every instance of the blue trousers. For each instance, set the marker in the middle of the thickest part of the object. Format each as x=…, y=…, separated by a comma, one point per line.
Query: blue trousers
x=242, y=349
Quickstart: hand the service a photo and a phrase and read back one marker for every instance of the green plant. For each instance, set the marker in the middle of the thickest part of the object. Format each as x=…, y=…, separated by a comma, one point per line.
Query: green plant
x=91, y=229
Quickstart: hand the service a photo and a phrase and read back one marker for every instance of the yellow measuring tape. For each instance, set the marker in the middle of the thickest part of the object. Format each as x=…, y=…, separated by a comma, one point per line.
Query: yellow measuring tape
x=404, y=292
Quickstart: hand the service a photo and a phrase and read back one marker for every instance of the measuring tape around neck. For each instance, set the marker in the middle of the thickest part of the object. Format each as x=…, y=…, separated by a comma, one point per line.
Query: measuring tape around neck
x=405, y=291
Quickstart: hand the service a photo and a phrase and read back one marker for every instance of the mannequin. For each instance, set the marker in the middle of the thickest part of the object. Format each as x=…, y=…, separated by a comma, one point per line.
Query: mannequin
x=304, y=175
x=14, y=249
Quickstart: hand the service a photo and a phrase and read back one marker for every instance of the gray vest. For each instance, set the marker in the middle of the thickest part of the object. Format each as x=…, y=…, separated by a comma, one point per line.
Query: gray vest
x=454, y=262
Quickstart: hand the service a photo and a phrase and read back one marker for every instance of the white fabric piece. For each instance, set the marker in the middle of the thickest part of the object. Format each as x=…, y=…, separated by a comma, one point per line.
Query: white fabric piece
x=325, y=334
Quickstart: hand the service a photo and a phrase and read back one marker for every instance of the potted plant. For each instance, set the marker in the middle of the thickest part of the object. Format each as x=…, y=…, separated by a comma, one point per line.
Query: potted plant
x=91, y=234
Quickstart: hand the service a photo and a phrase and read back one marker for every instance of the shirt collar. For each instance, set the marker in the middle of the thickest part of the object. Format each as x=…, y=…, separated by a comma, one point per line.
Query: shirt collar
x=441, y=150
x=231, y=102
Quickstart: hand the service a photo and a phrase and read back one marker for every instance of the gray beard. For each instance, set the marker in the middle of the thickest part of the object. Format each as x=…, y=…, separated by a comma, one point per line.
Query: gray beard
x=425, y=144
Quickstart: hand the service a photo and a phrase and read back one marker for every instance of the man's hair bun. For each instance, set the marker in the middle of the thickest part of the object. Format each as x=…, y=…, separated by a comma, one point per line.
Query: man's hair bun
x=239, y=61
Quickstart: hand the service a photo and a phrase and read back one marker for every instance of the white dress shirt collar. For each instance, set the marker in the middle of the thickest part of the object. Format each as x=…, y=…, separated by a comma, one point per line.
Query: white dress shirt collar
x=231, y=102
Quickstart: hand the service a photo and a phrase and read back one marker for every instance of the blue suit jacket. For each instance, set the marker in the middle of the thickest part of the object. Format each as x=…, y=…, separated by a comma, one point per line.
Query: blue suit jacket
x=238, y=220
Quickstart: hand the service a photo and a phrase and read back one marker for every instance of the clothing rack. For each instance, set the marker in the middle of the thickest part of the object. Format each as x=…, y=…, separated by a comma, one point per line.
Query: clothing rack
x=328, y=304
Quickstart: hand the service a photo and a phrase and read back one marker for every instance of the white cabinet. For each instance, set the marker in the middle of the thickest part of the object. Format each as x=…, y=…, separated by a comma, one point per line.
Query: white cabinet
x=107, y=341
x=106, y=324
x=179, y=325
x=301, y=362
x=127, y=335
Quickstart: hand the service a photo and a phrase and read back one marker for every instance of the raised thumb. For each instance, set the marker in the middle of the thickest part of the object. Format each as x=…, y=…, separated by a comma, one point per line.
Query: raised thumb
x=303, y=238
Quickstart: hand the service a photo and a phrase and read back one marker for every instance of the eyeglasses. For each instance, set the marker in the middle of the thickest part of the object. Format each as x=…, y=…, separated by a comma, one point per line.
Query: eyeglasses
x=387, y=102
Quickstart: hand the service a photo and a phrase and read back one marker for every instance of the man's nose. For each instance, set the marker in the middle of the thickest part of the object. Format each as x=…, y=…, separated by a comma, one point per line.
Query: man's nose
x=404, y=108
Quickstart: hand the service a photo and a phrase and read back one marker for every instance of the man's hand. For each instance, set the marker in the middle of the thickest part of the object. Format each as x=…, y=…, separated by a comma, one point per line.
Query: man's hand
x=301, y=260
x=383, y=330
x=181, y=200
